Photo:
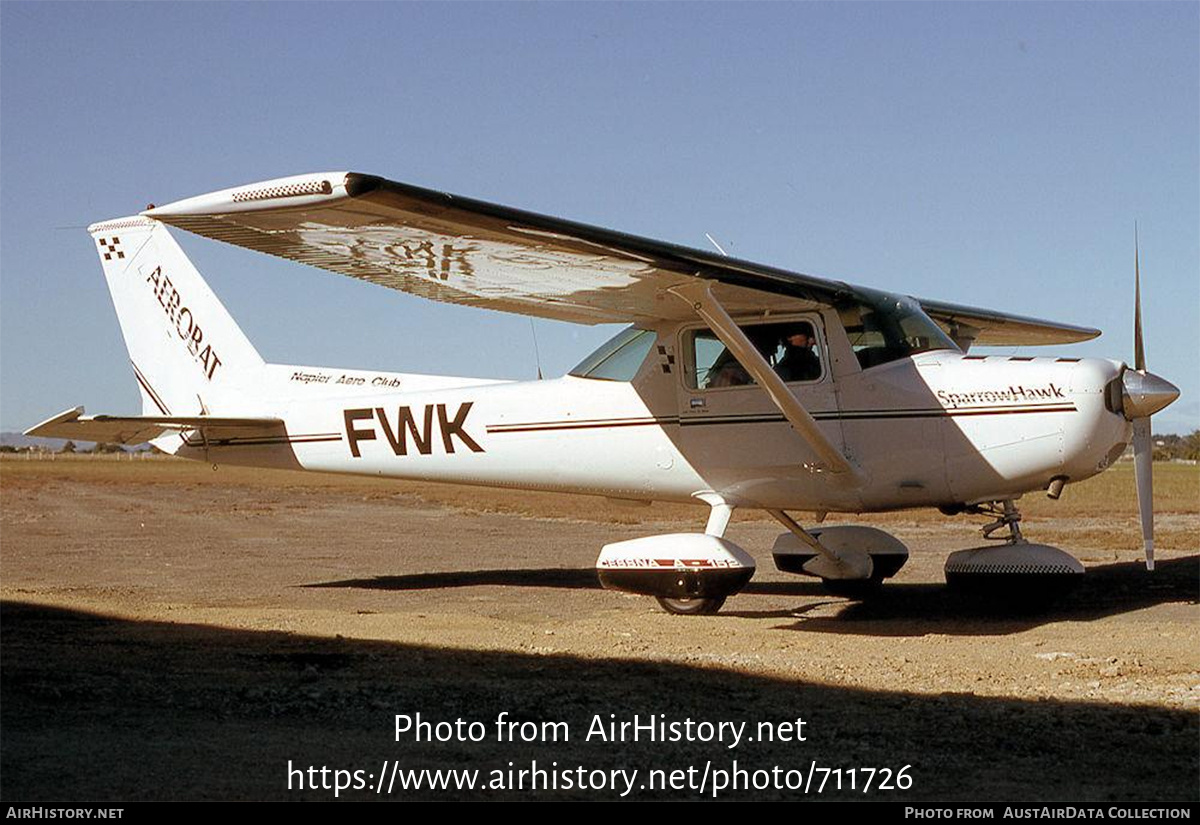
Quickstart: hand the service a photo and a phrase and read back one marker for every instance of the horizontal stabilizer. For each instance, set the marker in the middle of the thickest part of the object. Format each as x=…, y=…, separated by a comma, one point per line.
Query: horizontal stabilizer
x=137, y=429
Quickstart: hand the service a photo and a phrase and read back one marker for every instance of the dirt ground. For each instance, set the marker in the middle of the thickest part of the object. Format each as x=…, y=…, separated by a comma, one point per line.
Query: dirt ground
x=170, y=632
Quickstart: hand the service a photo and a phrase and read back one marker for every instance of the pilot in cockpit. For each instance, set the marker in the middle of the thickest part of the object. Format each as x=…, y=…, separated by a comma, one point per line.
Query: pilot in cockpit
x=787, y=347
x=799, y=362
x=727, y=372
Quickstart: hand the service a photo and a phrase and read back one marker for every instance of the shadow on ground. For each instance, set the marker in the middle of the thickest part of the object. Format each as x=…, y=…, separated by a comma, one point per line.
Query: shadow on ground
x=560, y=578
x=97, y=708
x=897, y=609
x=1105, y=590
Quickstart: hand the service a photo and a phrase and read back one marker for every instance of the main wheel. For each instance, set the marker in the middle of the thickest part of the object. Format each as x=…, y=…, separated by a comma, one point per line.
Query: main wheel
x=692, y=607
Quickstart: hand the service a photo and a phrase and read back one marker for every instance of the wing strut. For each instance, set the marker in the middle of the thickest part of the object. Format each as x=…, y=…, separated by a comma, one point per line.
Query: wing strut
x=829, y=564
x=699, y=296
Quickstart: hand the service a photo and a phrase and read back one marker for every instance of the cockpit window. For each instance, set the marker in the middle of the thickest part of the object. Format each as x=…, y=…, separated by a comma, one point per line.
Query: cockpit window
x=890, y=327
x=619, y=358
x=792, y=348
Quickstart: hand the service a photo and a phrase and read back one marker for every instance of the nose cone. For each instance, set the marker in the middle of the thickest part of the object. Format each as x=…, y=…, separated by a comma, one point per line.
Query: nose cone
x=1146, y=393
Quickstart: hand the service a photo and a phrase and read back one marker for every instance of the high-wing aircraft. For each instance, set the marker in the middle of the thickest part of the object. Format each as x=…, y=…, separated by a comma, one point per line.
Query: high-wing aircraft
x=734, y=385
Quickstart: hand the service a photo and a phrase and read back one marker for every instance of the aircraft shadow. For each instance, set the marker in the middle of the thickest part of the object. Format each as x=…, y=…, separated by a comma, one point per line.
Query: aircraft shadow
x=916, y=609
x=897, y=609
x=101, y=708
x=583, y=578
x=562, y=578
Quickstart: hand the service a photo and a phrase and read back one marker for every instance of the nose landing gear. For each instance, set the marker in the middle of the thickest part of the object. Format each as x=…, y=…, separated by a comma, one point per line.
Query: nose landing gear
x=1017, y=567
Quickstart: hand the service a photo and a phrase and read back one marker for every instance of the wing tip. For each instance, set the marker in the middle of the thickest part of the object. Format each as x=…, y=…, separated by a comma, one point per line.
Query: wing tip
x=66, y=415
x=996, y=328
x=127, y=222
x=295, y=190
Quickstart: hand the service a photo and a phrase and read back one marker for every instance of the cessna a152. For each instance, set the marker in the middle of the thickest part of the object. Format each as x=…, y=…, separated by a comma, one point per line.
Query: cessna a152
x=735, y=385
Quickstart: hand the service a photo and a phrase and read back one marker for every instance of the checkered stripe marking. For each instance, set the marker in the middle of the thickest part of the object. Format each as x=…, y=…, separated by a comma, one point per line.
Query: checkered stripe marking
x=290, y=190
x=1041, y=569
x=112, y=248
x=666, y=358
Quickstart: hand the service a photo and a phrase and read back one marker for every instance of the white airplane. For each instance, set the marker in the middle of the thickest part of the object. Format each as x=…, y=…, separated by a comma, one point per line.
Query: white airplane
x=735, y=385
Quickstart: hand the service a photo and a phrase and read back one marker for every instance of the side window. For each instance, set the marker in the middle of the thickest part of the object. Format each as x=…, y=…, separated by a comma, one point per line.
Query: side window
x=715, y=365
x=790, y=347
x=619, y=358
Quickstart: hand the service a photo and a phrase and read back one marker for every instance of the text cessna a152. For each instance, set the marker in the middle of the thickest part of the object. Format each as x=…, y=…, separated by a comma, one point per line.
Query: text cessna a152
x=735, y=385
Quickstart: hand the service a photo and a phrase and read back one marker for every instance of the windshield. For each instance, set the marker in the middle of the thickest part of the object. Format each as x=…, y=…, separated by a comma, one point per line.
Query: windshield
x=619, y=358
x=890, y=327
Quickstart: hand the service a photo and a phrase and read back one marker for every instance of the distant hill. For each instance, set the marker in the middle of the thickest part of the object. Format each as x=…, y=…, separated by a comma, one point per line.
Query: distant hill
x=51, y=444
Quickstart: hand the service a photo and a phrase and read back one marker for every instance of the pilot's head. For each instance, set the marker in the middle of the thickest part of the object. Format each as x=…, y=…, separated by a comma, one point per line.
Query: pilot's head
x=801, y=337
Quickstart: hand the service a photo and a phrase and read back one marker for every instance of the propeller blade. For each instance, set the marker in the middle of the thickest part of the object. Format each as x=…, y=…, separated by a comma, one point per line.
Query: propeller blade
x=1139, y=350
x=1145, y=394
x=1143, y=460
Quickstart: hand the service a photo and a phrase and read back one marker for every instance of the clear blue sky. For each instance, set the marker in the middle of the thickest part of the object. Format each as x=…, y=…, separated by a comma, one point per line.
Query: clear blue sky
x=991, y=154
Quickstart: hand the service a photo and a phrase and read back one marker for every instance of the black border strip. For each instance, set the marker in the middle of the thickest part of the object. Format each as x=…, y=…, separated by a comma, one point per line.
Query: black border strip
x=767, y=418
x=580, y=425
x=255, y=441
x=141, y=379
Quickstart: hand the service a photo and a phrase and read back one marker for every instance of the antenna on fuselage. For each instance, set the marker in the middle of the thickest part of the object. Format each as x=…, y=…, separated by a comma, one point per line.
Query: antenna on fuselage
x=712, y=241
x=537, y=356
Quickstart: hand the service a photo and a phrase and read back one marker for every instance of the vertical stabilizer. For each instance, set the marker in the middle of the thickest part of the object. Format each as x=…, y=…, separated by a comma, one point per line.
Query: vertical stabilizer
x=189, y=356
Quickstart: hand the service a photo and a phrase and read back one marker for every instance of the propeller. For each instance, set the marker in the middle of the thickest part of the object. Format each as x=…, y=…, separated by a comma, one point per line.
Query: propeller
x=1144, y=394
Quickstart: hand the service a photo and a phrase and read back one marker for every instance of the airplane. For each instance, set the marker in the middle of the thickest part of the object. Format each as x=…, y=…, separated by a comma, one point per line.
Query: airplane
x=733, y=385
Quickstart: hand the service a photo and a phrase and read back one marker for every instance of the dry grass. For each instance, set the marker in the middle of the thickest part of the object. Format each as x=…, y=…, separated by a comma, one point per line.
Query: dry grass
x=1110, y=495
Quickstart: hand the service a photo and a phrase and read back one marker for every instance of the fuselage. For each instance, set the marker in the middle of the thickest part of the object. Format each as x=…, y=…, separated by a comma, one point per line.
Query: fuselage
x=939, y=428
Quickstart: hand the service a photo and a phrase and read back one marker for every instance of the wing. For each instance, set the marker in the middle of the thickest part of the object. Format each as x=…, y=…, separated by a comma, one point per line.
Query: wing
x=459, y=250
x=138, y=429
x=972, y=325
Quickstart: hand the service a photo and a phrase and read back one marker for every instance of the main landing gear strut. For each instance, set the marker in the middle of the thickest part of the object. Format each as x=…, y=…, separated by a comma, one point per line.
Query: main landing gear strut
x=718, y=520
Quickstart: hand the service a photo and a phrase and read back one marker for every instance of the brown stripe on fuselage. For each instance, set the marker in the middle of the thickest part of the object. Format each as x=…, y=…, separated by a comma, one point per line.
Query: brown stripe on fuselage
x=768, y=418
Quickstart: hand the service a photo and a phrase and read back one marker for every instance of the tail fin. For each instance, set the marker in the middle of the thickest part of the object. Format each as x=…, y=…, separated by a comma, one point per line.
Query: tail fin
x=189, y=356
